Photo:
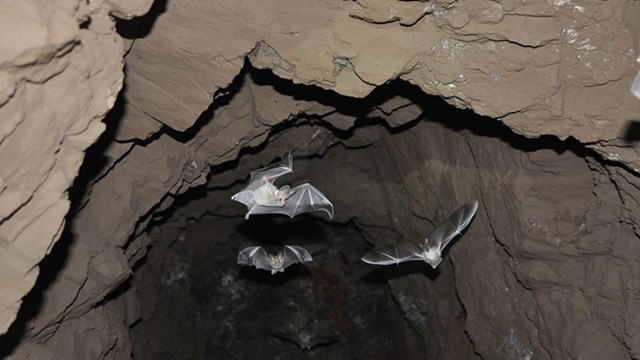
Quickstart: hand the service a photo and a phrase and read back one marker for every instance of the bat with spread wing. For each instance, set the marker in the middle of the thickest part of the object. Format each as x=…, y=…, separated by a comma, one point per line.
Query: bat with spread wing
x=306, y=341
x=262, y=197
x=431, y=250
x=257, y=256
x=635, y=86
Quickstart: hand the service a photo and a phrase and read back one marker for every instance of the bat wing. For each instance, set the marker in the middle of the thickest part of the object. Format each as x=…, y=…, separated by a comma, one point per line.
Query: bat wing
x=312, y=342
x=453, y=226
x=258, y=179
x=306, y=198
x=322, y=340
x=255, y=256
x=635, y=87
x=291, y=338
x=245, y=197
x=271, y=173
x=394, y=254
x=295, y=254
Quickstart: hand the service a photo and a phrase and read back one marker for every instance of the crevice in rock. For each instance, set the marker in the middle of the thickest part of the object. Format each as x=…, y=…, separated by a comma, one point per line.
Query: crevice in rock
x=394, y=164
x=137, y=233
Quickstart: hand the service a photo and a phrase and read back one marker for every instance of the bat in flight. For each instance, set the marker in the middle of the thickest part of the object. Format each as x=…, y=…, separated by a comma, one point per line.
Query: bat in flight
x=257, y=256
x=306, y=341
x=262, y=197
x=431, y=250
x=635, y=87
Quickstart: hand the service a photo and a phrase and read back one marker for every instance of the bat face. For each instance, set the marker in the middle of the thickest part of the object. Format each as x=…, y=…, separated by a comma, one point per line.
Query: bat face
x=431, y=251
x=276, y=261
x=261, y=259
x=262, y=197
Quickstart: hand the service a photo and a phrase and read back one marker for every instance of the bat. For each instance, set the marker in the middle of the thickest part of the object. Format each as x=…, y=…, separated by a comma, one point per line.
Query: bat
x=261, y=259
x=306, y=341
x=635, y=86
x=262, y=197
x=431, y=251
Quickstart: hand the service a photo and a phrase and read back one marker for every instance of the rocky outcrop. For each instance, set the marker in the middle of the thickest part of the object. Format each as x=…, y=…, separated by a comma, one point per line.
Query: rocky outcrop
x=60, y=72
x=553, y=249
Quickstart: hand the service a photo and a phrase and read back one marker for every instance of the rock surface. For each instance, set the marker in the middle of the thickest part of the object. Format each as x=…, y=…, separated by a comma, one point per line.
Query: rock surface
x=550, y=270
x=60, y=72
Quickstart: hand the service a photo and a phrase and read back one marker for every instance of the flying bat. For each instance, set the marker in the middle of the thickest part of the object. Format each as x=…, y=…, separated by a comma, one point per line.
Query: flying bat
x=635, y=86
x=262, y=197
x=431, y=251
x=261, y=259
x=306, y=341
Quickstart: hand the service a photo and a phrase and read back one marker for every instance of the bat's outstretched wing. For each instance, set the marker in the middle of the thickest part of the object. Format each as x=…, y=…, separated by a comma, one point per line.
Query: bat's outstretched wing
x=261, y=177
x=255, y=256
x=394, y=253
x=635, y=87
x=322, y=340
x=270, y=173
x=307, y=341
x=453, y=226
x=306, y=198
x=293, y=338
x=295, y=254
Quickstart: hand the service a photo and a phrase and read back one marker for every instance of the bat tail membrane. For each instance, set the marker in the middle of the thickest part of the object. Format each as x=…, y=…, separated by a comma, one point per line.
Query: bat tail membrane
x=453, y=226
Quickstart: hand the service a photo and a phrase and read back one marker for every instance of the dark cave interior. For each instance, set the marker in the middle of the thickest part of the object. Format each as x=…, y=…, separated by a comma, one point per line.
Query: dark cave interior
x=196, y=302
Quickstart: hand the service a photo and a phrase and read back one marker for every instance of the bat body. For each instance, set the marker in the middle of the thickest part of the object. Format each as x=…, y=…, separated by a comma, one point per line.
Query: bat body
x=431, y=250
x=306, y=341
x=261, y=259
x=262, y=197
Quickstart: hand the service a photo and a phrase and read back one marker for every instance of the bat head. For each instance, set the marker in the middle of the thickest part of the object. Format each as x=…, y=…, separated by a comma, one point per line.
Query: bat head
x=304, y=337
x=283, y=194
x=277, y=262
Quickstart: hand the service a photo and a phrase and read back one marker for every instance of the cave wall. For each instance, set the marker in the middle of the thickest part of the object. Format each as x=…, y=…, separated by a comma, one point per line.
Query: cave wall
x=561, y=68
x=558, y=67
x=60, y=72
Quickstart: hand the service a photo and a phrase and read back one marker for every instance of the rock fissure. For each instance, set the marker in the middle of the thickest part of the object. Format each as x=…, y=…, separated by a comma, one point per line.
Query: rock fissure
x=134, y=251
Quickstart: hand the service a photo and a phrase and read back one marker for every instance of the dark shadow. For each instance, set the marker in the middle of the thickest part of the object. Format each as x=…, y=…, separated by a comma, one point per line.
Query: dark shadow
x=95, y=161
x=344, y=105
x=32, y=303
x=222, y=98
x=140, y=27
x=631, y=132
x=434, y=109
x=51, y=266
x=278, y=279
x=381, y=274
x=275, y=231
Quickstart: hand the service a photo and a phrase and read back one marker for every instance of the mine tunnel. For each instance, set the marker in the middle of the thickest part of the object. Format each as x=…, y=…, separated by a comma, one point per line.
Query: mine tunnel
x=127, y=128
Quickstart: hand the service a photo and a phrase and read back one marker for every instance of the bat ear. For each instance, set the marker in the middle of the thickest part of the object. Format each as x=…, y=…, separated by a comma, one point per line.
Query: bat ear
x=286, y=191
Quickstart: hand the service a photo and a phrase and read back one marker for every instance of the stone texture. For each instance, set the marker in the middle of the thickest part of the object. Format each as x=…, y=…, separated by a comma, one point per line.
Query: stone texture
x=550, y=270
x=60, y=74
